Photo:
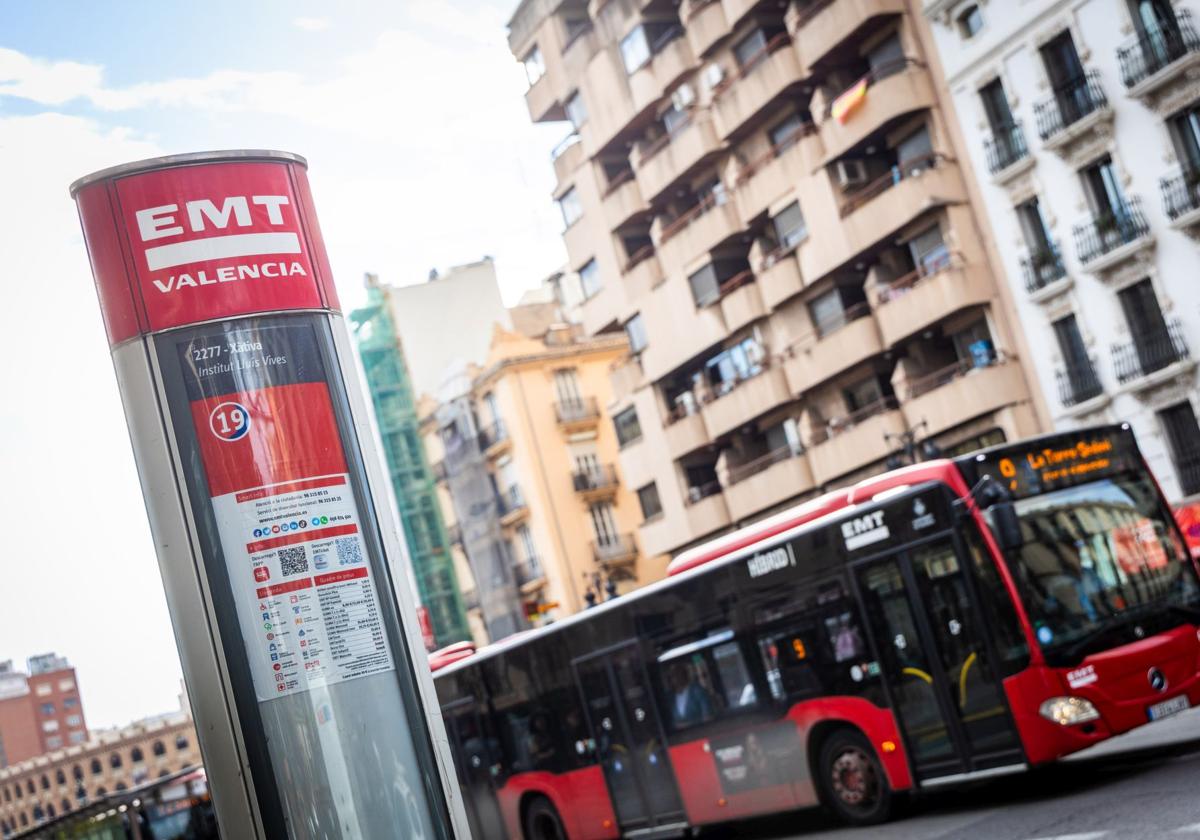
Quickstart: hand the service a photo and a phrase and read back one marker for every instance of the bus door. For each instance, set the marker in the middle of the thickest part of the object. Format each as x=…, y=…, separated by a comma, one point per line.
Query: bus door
x=630, y=742
x=937, y=660
x=473, y=759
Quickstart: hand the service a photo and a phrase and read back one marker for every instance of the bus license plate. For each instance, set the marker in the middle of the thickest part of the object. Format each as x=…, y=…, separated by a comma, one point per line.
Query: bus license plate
x=1167, y=708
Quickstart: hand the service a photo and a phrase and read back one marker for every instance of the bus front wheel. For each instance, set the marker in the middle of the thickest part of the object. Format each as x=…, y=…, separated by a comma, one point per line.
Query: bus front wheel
x=542, y=821
x=852, y=781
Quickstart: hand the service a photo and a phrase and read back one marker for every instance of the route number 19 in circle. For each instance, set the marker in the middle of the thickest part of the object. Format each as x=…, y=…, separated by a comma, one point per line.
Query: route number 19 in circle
x=229, y=421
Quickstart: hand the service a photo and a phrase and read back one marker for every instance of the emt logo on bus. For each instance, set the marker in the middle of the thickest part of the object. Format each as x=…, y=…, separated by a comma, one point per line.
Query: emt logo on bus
x=865, y=530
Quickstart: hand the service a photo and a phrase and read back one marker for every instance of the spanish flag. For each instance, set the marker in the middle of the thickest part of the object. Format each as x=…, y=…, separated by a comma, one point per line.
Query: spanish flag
x=848, y=101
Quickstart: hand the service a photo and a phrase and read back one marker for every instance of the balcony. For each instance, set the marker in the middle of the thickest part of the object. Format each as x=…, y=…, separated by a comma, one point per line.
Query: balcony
x=740, y=301
x=619, y=551
x=821, y=25
x=1072, y=112
x=623, y=202
x=1154, y=59
x=529, y=575
x=438, y=470
x=671, y=58
x=625, y=377
x=454, y=534
x=963, y=391
x=685, y=434
x=566, y=157
x=595, y=482
x=643, y=275
x=1181, y=199
x=576, y=413
x=698, y=231
x=779, y=278
x=756, y=84
x=1078, y=383
x=761, y=181
x=1005, y=150
x=671, y=157
x=855, y=441
x=705, y=510
x=893, y=90
x=889, y=203
x=493, y=438
x=746, y=400
x=541, y=101
x=1108, y=239
x=821, y=355
x=1043, y=271
x=920, y=299
x=767, y=481
x=511, y=506
x=705, y=24
x=1149, y=360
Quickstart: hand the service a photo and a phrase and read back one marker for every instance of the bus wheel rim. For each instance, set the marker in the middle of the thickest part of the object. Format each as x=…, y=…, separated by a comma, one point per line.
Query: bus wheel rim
x=853, y=777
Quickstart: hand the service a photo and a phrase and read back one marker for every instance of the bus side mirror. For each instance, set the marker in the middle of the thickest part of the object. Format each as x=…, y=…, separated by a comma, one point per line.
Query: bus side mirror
x=1006, y=526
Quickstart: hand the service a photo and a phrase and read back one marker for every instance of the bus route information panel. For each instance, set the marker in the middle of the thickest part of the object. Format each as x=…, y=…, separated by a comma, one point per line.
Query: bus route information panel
x=284, y=507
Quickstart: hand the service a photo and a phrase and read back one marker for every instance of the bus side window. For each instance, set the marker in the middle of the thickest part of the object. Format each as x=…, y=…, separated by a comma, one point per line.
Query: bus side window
x=705, y=679
x=998, y=611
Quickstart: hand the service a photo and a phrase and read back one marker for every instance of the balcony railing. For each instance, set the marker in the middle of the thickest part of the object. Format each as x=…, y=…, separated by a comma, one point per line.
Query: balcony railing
x=594, y=478
x=699, y=492
x=1042, y=267
x=1149, y=353
x=837, y=425
x=944, y=376
x=1005, y=147
x=1181, y=194
x=1144, y=55
x=577, y=409
x=931, y=264
x=615, y=549
x=748, y=170
x=743, y=471
x=490, y=435
x=438, y=470
x=1120, y=225
x=1069, y=104
x=528, y=570
x=1078, y=382
x=911, y=168
x=455, y=534
x=510, y=500
x=876, y=75
x=680, y=222
x=752, y=62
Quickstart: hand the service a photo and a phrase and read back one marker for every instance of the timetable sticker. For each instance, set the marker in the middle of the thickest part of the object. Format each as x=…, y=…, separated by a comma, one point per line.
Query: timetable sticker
x=285, y=509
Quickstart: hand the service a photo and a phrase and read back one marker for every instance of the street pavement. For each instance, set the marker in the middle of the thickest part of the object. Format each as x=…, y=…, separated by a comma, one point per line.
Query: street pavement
x=1145, y=784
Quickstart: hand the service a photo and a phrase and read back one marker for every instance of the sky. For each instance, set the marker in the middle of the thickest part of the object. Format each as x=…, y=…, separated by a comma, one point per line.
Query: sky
x=421, y=155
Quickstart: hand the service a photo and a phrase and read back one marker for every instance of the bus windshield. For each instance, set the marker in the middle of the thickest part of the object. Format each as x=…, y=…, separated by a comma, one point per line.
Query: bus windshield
x=1101, y=566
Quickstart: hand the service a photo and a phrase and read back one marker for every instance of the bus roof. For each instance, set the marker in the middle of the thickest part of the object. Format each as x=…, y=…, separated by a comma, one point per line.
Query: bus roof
x=811, y=511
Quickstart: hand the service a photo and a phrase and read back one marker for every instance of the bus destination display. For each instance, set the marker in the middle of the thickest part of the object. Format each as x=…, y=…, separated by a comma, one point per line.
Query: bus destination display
x=1062, y=461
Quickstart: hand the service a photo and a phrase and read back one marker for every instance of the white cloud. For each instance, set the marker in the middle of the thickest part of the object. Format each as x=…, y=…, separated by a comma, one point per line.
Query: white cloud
x=422, y=155
x=311, y=24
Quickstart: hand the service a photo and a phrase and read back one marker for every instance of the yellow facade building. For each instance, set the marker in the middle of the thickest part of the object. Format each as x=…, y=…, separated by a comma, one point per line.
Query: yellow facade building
x=526, y=461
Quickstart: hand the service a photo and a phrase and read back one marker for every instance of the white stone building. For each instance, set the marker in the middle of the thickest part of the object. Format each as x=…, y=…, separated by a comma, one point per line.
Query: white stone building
x=1082, y=122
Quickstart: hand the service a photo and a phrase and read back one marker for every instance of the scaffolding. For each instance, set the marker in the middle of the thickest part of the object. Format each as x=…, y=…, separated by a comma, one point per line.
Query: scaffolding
x=395, y=407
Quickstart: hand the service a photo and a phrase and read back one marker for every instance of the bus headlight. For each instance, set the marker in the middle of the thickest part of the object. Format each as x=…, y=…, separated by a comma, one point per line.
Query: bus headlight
x=1068, y=711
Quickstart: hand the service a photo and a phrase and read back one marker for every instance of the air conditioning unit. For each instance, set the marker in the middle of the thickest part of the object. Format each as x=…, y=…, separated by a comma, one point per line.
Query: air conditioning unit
x=851, y=173
x=714, y=74
x=683, y=97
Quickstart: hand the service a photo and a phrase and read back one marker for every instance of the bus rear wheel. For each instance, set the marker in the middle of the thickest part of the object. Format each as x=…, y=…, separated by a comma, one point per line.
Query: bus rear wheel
x=852, y=780
x=542, y=821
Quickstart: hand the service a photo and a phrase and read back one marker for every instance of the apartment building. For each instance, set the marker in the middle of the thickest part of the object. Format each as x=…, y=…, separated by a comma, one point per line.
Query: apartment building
x=40, y=710
x=525, y=458
x=766, y=199
x=1082, y=122
x=62, y=780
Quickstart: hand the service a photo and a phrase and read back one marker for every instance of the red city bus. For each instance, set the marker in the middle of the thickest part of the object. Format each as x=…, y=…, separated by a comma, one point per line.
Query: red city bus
x=946, y=622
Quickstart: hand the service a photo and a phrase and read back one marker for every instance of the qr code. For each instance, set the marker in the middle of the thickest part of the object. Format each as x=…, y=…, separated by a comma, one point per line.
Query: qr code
x=348, y=550
x=292, y=561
